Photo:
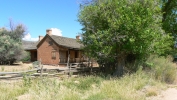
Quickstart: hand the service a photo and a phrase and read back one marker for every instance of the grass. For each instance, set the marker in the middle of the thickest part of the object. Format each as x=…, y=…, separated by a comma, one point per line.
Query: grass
x=128, y=87
x=11, y=91
x=2, y=68
x=152, y=91
x=162, y=68
x=136, y=86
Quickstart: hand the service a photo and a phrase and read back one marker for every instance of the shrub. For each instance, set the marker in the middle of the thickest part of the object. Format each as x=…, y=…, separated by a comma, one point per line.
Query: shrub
x=11, y=44
x=151, y=92
x=26, y=57
x=83, y=83
x=162, y=68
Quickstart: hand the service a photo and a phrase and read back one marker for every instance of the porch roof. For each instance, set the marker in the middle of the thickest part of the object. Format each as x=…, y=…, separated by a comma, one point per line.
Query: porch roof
x=29, y=45
x=66, y=42
x=61, y=41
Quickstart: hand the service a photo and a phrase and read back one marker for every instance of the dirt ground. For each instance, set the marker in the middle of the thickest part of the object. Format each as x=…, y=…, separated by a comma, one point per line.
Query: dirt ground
x=21, y=67
x=169, y=94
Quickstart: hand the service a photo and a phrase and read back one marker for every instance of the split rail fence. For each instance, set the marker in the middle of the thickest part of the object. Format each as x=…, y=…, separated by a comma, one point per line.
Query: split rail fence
x=39, y=71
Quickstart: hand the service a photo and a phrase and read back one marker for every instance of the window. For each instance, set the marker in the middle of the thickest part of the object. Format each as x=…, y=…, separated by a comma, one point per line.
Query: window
x=54, y=54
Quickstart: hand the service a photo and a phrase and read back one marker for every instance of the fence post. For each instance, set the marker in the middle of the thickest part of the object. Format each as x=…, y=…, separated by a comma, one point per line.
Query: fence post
x=41, y=66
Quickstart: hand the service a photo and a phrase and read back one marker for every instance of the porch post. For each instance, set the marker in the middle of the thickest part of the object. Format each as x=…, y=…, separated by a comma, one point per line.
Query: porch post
x=68, y=65
x=68, y=58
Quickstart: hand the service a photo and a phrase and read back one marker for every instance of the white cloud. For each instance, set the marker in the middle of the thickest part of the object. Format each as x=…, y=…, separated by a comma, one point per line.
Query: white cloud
x=28, y=37
x=56, y=31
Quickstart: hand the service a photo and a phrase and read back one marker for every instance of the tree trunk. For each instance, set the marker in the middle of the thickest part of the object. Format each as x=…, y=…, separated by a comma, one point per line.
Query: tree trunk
x=119, y=67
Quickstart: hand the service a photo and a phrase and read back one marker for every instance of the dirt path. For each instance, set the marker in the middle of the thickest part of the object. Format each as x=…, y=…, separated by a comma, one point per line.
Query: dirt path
x=169, y=94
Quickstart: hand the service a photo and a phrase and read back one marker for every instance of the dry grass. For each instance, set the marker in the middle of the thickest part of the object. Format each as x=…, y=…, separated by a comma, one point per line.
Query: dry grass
x=152, y=91
x=137, y=86
x=82, y=88
x=162, y=68
x=15, y=67
x=11, y=90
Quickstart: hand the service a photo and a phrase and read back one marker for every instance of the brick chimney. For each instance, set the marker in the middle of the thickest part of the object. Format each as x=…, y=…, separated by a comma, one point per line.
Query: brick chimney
x=49, y=31
x=41, y=37
x=77, y=37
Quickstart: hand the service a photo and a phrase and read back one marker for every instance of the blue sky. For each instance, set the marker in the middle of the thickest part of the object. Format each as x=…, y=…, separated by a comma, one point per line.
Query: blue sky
x=39, y=15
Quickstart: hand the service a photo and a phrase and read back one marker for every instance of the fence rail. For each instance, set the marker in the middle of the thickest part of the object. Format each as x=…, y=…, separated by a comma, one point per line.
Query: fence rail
x=73, y=60
x=47, y=72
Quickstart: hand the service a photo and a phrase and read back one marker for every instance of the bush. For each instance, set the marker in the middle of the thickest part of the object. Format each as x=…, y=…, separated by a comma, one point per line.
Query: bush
x=162, y=68
x=26, y=57
x=83, y=83
x=11, y=44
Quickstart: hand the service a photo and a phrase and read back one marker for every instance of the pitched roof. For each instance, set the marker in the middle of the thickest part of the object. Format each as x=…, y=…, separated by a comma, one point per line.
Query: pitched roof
x=66, y=42
x=30, y=45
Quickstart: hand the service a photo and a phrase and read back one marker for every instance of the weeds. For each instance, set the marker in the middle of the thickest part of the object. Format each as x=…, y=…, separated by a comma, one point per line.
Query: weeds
x=83, y=83
x=2, y=68
x=152, y=91
x=162, y=68
x=27, y=81
x=11, y=91
x=82, y=88
x=30, y=67
x=129, y=87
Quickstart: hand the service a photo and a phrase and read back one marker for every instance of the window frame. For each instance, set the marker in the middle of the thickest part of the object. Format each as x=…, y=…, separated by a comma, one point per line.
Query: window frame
x=53, y=54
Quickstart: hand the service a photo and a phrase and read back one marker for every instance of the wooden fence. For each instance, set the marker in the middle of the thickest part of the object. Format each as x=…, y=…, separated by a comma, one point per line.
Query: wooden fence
x=55, y=72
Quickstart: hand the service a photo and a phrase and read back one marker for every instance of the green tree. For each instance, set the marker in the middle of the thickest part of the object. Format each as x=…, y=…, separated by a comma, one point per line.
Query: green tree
x=11, y=44
x=169, y=10
x=115, y=29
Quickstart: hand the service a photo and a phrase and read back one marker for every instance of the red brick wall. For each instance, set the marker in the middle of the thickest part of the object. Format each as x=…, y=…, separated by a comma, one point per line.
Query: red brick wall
x=44, y=52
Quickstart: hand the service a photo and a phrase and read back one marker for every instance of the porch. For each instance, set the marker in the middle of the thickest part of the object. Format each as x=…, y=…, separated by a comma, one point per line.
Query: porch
x=72, y=60
x=33, y=55
x=75, y=57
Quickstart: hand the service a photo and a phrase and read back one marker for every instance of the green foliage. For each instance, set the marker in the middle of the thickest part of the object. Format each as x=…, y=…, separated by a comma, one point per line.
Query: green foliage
x=26, y=57
x=26, y=81
x=11, y=90
x=98, y=96
x=162, y=68
x=83, y=83
x=128, y=87
x=169, y=9
x=51, y=89
x=11, y=44
x=114, y=29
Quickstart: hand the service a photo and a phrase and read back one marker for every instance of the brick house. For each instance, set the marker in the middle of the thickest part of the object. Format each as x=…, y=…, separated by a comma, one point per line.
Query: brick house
x=54, y=50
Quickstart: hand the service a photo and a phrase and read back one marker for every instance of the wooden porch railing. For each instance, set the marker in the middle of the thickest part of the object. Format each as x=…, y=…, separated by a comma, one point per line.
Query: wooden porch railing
x=73, y=60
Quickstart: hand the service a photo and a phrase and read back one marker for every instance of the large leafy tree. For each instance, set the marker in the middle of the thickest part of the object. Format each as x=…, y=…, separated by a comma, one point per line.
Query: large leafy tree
x=115, y=29
x=169, y=10
x=11, y=44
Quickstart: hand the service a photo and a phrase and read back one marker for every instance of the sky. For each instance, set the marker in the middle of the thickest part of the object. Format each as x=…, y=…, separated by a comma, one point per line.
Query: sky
x=39, y=15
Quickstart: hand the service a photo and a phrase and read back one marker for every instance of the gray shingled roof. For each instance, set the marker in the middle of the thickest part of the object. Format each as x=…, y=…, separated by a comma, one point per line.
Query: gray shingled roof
x=66, y=42
x=29, y=45
x=62, y=41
